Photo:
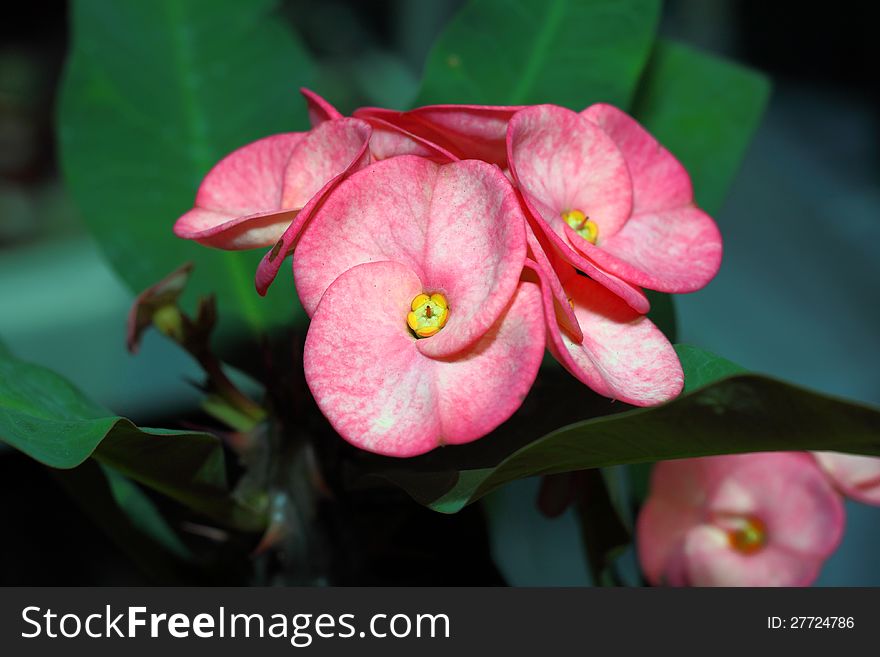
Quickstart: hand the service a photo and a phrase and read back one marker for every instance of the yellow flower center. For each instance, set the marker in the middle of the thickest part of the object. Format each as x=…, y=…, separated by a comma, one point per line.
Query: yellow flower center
x=581, y=224
x=749, y=537
x=429, y=314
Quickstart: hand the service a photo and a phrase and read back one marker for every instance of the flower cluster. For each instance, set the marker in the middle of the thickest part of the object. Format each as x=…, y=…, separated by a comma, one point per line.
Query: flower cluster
x=437, y=252
x=750, y=519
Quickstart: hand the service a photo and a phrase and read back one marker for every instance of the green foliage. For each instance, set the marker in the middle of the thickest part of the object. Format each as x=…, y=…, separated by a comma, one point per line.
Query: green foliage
x=51, y=421
x=567, y=52
x=724, y=411
x=154, y=94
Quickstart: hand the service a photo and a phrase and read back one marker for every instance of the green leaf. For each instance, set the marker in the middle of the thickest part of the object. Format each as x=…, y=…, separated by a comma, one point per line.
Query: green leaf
x=144, y=515
x=131, y=521
x=569, y=52
x=702, y=367
x=724, y=411
x=50, y=420
x=704, y=110
x=154, y=94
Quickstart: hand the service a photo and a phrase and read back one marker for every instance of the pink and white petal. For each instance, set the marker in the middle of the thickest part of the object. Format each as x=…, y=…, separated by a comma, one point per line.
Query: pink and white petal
x=362, y=366
x=271, y=263
x=474, y=251
x=568, y=163
x=711, y=561
x=623, y=354
x=247, y=182
x=559, y=243
x=788, y=492
x=670, y=251
x=320, y=109
x=325, y=152
x=484, y=385
x=855, y=476
x=224, y=231
x=660, y=182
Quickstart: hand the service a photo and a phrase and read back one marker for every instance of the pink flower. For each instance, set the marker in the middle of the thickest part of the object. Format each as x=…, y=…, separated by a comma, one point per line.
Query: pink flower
x=612, y=201
x=422, y=332
x=767, y=519
x=857, y=477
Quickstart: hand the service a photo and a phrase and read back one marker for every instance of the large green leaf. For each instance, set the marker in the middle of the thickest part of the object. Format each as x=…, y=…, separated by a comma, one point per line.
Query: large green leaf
x=154, y=94
x=724, y=411
x=50, y=420
x=568, y=52
x=705, y=110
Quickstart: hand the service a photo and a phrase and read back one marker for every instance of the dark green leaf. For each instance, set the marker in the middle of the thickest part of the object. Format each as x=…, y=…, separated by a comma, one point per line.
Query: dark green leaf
x=662, y=313
x=703, y=109
x=702, y=367
x=131, y=521
x=143, y=514
x=154, y=94
x=569, y=52
x=50, y=420
x=732, y=412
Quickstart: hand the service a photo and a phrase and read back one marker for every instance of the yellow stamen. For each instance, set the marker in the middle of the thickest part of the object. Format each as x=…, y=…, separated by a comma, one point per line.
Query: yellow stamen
x=429, y=314
x=749, y=537
x=582, y=225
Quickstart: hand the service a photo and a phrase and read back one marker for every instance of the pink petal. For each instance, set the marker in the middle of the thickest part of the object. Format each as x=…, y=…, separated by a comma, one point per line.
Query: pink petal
x=327, y=156
x=390, y=139
x=325, y=152
x=235, y=234
x=562, y=249
x=660, y=182
x=319, y=109
x=566, y=162
x=243, y=191
x=458, y=226
x=557, y=308
x=675, y=250
x=473, y=131
x=469, y=131
x=381, y=394
x=622, y=355
x=711, y=562
x=857, y=477
x=668, y=244
x=482, y=386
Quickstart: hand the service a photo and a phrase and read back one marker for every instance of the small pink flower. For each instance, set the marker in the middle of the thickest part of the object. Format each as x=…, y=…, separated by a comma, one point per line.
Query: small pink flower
x=422, y=332
x=610, y=198
x=766, y=519
x=857, y=477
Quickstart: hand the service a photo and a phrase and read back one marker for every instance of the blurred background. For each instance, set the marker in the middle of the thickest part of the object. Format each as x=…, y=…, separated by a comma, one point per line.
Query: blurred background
x=796, y=297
